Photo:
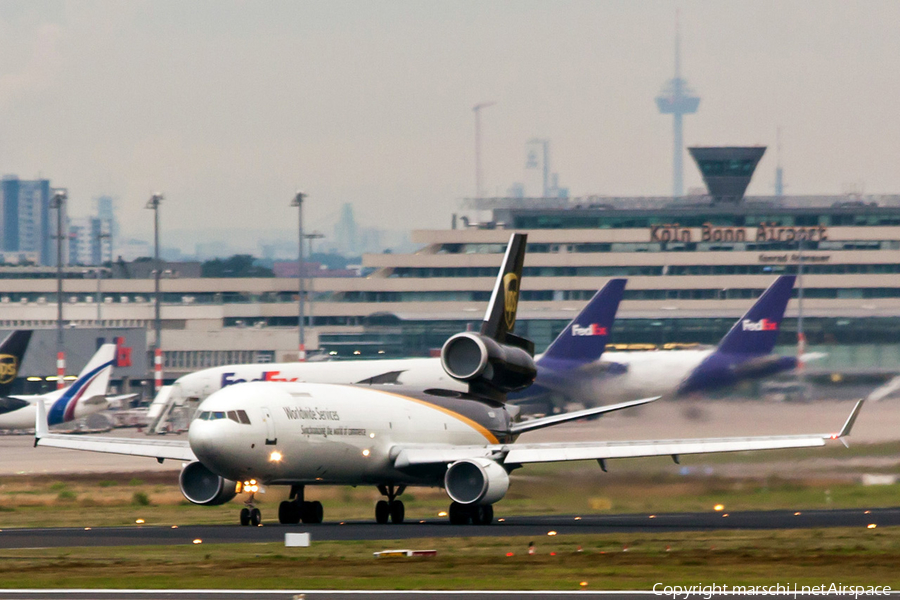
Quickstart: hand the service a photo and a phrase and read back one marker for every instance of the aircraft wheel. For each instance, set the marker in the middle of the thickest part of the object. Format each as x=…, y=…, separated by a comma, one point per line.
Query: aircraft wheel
x=317, y=512
x=382, y=512
x=288, y=513
x=255, y=517
x=398, y=511
x=459, y=514
x=245, y=516
x=483, y=515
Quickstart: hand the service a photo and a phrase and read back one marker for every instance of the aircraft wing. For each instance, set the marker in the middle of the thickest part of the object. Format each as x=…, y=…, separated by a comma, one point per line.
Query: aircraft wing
x=518, y=454
x=150, y=448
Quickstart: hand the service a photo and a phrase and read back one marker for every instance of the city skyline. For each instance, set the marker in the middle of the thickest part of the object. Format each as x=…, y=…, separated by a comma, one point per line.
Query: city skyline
x=227, y=108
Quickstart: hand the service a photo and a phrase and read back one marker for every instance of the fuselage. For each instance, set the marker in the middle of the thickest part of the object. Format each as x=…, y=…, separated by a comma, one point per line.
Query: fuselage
x=23, y=417
x=303, y=433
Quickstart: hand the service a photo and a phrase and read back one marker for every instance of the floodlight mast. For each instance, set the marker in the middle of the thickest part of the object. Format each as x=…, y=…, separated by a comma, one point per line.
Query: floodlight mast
x=153, y=204
x=301, y=275
x=57, y=202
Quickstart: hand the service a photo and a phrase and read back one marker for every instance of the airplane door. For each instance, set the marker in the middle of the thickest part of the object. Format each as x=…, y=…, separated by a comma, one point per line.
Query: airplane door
x=271, y=440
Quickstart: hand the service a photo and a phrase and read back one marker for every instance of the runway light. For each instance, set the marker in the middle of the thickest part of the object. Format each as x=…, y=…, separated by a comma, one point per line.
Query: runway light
x=510, y=554
x=577, y=518
x=797, y=514
x=174, y=526
x=198, y=541
x=868, y=512
x=551, y=533
x=583, y=584
x=275, y=456
x=442, y=513
x=498, y=520
x=871, y=526
x=553, y=554
x=34, y=379
x=725, y=515
x=719, y=507
x=652, y=516
x=87, y=528
x=139, y=521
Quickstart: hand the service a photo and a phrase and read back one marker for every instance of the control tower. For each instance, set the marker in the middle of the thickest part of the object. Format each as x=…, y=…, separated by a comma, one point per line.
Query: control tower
x=677, y=99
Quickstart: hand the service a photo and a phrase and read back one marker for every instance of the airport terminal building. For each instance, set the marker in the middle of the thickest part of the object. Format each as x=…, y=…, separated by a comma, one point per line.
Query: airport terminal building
x=694, y=264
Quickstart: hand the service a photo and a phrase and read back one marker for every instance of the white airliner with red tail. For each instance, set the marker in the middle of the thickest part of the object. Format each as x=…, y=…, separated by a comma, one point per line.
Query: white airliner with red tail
x=305, y=434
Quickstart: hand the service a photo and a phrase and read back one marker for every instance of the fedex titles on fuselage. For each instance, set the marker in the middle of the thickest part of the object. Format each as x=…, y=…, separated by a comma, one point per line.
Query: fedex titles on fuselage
x=761, y=325
x=230, y=379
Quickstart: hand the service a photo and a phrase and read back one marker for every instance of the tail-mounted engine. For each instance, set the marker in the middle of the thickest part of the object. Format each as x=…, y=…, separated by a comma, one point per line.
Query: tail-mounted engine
x=201, y=486
x=476, y=481
x=488, y=366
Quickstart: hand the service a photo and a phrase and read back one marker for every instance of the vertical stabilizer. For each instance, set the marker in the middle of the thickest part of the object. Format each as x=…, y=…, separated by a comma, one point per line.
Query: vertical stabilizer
x=90, y=387
x=584, y=339
x=756, y=332
x=12, y=350
x=500, y=318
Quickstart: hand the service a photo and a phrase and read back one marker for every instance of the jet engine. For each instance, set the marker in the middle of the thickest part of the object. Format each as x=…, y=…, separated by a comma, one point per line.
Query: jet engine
x=201, y=486
x=478, y=359
x=476, y=481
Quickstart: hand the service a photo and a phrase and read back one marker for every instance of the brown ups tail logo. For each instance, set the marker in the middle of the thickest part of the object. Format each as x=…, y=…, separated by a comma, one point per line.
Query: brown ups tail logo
x=510, y=299
x=9, y=368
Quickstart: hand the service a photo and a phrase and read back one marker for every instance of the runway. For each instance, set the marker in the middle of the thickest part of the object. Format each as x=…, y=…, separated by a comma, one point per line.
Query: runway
x=144, y=535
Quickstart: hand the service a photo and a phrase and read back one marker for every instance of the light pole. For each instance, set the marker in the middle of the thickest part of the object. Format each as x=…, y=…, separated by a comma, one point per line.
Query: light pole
x=100, y=237
x=153, y=204
x=315, y=235
x=58, y=202
x=301, y=275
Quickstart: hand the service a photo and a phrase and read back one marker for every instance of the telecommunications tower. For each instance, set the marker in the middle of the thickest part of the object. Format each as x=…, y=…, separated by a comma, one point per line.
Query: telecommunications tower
x=677, y=99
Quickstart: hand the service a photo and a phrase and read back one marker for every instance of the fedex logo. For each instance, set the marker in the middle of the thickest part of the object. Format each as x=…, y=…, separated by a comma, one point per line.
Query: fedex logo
x=761, y=325
x=592, y=329
x=230, y=379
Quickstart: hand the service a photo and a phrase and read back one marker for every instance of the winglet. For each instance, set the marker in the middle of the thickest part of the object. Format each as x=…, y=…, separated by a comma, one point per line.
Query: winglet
x=848, y=425
x=500, y=318
x=41, y=428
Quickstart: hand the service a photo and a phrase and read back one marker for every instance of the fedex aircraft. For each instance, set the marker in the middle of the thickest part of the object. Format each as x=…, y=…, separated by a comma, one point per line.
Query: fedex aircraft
x=85, y=396
x=744, y=353
x=589, y=332
x=306, y=434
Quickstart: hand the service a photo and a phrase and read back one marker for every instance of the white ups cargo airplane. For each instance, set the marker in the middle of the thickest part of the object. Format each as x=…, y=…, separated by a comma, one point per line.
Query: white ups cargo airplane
x=301, y=434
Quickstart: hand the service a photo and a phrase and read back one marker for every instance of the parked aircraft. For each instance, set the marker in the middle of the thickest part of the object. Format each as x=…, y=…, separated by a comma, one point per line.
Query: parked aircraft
x=85, y=396
x=744, y=353
x=12, y=350
x=300, y=434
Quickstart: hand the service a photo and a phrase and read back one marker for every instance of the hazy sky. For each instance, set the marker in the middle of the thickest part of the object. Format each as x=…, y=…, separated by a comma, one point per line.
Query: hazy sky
x=229, y=107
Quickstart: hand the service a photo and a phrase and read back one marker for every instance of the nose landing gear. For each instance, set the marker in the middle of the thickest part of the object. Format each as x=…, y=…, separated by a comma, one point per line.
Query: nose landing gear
x=250, y=515
x=391, y=508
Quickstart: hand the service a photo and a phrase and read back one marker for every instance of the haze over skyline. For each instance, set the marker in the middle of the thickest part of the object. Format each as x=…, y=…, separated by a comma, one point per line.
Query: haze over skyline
x=229, y=107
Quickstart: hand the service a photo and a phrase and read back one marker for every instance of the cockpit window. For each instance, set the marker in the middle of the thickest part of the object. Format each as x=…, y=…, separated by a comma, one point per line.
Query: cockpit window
x=203, y=416
x=242, y=415
x=233, y=416
x=238, y=416
x=218, y=415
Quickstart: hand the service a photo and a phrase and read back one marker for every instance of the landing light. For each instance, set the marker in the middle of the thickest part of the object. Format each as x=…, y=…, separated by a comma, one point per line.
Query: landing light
x=372, y=435
x=366, y=452
x=251, y=486
x=275, y=456
x=34, y=379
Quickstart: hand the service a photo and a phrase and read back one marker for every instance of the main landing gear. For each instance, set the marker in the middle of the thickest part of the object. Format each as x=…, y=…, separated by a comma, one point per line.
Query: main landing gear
x=291, y=512
x=391, y=508
x=463, y=514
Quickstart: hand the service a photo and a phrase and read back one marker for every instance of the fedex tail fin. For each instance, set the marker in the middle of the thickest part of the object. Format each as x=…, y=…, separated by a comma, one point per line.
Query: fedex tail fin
x=755, y=333
x=12, y=349
x=87, y=393
x=584, y=339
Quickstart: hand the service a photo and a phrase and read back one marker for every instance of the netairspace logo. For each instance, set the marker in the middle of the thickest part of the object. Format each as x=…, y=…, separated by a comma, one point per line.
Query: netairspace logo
x=779, y=589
